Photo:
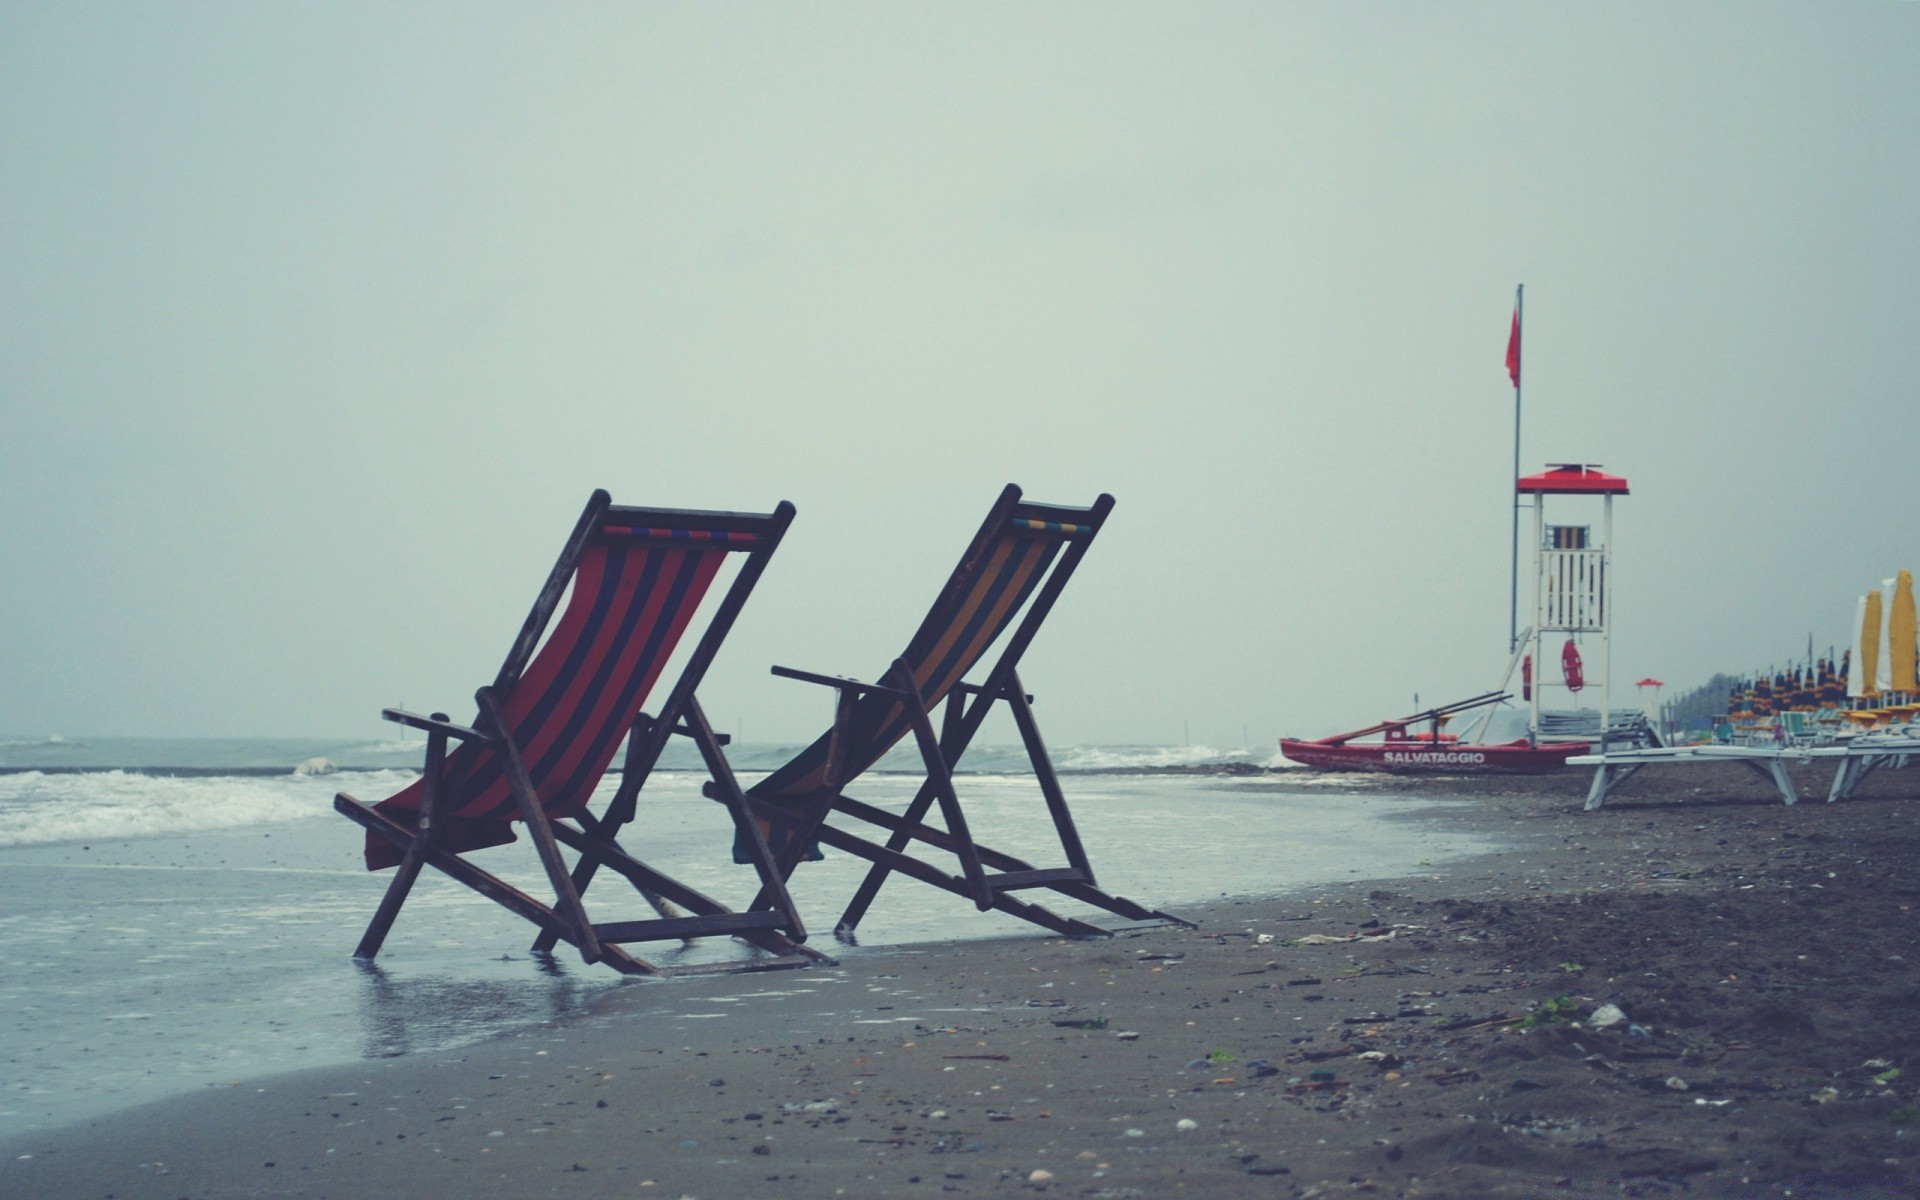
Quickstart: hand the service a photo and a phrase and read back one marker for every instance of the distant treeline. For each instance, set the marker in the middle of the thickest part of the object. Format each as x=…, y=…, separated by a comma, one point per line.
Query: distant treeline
x=1697, y=708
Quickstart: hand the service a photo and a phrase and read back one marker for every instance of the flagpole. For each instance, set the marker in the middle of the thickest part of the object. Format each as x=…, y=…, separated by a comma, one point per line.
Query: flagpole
x=1513, y=587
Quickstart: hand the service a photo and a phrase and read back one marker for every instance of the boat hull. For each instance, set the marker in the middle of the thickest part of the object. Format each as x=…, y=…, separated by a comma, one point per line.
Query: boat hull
x=1421, y=757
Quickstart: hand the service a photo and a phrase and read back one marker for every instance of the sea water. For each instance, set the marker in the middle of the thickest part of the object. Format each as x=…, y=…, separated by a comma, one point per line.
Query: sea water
x=177, y=915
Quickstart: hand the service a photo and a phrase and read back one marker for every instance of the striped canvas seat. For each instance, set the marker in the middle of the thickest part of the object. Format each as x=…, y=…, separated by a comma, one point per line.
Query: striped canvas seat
x=977, y=606
x=634, y=580
x=998, y=596
x=633, y=594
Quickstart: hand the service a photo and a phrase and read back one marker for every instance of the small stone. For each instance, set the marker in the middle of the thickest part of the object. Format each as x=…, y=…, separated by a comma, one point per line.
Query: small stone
x=1040, y=1175
x=1675, y=1083
x=1606, y=1017
x=1186, y=1124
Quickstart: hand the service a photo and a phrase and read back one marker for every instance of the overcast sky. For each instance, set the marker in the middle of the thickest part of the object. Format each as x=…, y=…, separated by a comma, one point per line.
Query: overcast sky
x=319, y=322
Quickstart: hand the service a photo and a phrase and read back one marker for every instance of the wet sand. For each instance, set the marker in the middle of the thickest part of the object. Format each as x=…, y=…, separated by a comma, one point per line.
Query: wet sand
x=1367, y=1038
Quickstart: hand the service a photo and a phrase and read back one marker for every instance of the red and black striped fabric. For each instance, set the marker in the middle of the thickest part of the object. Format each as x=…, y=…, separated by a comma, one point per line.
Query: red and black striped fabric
x=633, y=594
x=980, y=602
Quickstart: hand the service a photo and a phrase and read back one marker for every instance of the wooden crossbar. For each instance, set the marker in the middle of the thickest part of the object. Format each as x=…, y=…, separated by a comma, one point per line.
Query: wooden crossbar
x=667, y=928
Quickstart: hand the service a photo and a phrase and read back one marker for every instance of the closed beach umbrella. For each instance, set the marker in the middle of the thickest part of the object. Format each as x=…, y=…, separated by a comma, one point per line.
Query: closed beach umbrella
x=1832, y=687
x=1900, y=636
x=1869, y=656
x=1883, y=676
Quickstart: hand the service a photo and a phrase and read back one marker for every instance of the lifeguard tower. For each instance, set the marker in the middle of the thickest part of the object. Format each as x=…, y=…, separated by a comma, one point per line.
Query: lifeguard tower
x=1572, y=588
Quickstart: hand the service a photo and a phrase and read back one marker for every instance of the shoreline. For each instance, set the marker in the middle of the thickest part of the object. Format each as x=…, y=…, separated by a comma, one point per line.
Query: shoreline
x=1374, y=1042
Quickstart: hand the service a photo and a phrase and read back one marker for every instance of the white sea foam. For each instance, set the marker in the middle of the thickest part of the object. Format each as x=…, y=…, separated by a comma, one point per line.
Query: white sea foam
x=37, y=808
x=1120, y=758
x=393, y=746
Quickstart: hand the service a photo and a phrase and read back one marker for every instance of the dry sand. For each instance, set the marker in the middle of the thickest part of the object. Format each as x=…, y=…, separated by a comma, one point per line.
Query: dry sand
x=1363, y=1039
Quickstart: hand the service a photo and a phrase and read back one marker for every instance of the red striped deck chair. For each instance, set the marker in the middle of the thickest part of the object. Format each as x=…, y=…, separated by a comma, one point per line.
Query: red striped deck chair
x=1000, y=593
x=551, y=722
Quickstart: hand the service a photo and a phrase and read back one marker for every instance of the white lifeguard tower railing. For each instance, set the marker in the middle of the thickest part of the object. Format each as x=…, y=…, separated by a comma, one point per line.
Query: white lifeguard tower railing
x=1572, y=586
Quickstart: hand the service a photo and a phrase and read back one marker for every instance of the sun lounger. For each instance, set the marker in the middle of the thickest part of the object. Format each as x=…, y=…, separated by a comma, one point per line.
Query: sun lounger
x=551, y=722
x=1617, y=766
x=1004, y=587
x=1893, y=748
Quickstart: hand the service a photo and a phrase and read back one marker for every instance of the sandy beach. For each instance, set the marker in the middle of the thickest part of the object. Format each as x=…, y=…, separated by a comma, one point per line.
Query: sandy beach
x=1365, y=1038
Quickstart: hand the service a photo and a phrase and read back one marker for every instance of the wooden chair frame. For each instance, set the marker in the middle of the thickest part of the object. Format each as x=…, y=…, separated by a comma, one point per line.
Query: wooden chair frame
x=774, y=927
x=987, y=876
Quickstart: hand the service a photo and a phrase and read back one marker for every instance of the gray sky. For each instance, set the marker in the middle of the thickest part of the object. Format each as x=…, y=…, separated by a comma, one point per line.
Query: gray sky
x=319, y=322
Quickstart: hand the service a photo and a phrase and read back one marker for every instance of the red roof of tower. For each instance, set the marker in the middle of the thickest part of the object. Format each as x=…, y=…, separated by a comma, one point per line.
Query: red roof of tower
x=1572, y=479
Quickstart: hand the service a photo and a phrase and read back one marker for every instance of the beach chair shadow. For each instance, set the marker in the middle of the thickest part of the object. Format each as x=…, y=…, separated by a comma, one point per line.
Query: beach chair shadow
x=1001, y=592
x=549, y=726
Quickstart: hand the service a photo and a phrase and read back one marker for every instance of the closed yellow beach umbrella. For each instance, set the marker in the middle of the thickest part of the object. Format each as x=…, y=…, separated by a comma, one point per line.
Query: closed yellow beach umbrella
x=1870, y=645
x=1900, y=636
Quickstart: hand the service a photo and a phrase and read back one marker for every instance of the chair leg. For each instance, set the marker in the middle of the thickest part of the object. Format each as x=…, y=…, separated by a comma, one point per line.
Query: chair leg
x=383, y=917
x=566, y=900
x=877, y=874
x=1070, y=844
x=951, y=812
x=426, y=832
x=642, y=750
x=773, y=885
x=1597, y=790
x=938, y=786
x=1784, y=782
x=583, y=872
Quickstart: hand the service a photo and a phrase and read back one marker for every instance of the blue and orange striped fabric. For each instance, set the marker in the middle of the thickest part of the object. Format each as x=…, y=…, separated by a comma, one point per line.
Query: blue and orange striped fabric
x=631, y=601
x=976, y=608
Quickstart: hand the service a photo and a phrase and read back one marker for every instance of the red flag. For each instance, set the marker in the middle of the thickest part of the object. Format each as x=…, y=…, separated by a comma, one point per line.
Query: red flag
x=1513, y=350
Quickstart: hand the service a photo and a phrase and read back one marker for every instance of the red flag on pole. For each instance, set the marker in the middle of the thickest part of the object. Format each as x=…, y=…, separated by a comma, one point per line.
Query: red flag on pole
x=1513, y=350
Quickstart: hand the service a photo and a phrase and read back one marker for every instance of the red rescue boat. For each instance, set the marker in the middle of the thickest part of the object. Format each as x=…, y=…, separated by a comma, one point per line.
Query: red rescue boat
x=1402, y=750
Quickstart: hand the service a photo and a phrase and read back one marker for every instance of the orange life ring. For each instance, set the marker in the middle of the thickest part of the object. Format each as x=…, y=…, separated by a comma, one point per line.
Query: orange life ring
x=1570, y=666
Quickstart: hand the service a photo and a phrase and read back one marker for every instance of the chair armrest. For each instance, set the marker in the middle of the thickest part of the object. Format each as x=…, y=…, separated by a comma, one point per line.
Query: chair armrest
x=437, y=723
x=974, y=689
x=836, y=681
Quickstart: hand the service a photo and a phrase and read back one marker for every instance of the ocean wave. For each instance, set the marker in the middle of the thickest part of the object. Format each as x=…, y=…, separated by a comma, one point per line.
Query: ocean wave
x=395, y=746
x=39, y=809
x=1134, y=758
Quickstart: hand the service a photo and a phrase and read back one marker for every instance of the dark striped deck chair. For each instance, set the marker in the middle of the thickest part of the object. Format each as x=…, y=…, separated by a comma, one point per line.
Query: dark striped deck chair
x=1002, y=590
x=548, y=728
